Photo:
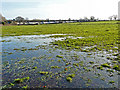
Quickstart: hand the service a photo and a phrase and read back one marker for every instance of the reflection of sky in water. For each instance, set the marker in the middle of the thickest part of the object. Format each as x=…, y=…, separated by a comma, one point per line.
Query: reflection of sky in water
x=44, y=55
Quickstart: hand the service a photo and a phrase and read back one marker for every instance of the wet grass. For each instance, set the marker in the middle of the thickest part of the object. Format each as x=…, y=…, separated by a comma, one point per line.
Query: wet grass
x=60, y=60
x=99, y=34
x=84, y=29
x=105, y=65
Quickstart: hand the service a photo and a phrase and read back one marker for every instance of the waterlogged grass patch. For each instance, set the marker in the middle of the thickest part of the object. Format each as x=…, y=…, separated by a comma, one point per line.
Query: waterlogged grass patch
x=100, y=67
x=116, y=67
x=23, y=67
x=59, y=56
x=103, y=40
x=10, y=53
x=55, y=67
x=34, y=68
x=23, y=49
x=26, y=78
x=114, y=62
x=76, y=64
x=59, y=60
x=71, y=75
x=11, y=84
x=103, y=79
x=91, y=62
x=69, y=79
x=33, y=49
x=115, y=54
x=16, y=49
x=44, y=72
x=5, y=41
x=84, y=50
x=22, y=60
x=106, y=65
x=89, y=54
x=109, y=70
x=95, y=34
x=64, y=60
x=25, y=87
x=67, y=64
x=109, y=58
x=111, y=82
x=20, y=80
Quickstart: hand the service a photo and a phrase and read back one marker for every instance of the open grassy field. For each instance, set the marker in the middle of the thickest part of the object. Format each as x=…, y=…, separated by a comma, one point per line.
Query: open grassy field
x=103, y=34
x=71, y=55
x=80, y=29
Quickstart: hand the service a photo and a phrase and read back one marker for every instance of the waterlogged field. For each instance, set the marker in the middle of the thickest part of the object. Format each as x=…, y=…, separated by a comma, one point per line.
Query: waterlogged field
x=70, y=55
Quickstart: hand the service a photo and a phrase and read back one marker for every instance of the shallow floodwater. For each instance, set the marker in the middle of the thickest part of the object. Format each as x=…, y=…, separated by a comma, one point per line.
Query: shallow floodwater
x=48, y=66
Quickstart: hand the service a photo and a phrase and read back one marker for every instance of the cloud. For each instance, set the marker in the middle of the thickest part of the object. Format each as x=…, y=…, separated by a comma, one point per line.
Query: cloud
x=64, y=9
x=45, y=1
x=20, y=0
x=26, y=12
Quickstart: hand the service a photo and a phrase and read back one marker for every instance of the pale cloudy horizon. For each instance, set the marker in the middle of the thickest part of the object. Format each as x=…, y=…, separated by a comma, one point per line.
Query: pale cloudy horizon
x=59, y=9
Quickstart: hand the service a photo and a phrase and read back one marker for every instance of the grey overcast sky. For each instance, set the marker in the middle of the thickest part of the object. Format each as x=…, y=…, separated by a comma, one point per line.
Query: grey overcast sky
x=59, y=9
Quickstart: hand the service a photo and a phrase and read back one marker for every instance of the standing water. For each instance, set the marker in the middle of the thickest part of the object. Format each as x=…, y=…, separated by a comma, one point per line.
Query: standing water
x=32, y=62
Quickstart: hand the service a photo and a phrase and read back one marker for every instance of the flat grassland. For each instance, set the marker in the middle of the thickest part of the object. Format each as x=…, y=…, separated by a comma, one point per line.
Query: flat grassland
x=87, y=54
x=104, y=34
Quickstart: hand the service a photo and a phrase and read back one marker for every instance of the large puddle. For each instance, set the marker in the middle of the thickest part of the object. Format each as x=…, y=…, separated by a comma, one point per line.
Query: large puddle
x=29, y=61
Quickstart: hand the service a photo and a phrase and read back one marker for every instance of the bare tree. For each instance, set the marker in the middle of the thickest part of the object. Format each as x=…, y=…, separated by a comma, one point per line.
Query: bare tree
x=92, y=18
x=69, y=19
x=110, y=17
x=19, y=19
x=27, y=20
x=114, y=17
x=97, y=19
x=85, y=18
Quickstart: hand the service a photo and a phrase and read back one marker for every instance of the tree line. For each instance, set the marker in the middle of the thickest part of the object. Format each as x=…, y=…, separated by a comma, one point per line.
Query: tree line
x=18, y=20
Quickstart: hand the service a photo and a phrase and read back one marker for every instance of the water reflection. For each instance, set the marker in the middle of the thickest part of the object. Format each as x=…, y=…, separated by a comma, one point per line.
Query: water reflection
x=28, y=56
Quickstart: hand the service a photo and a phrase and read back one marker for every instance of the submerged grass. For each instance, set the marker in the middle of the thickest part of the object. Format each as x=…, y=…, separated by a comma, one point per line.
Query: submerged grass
x=102, y=34
x=99, y=36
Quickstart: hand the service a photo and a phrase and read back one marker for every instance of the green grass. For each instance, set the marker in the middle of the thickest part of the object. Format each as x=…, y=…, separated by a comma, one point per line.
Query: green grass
x=71, y=75
x=43, y=72
x=116, y=67
x=84, y=29
x=59, y=56
x=20, y=80
x=100, y=67
x=69, y=79
x=103, y=34
x=105, y=65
